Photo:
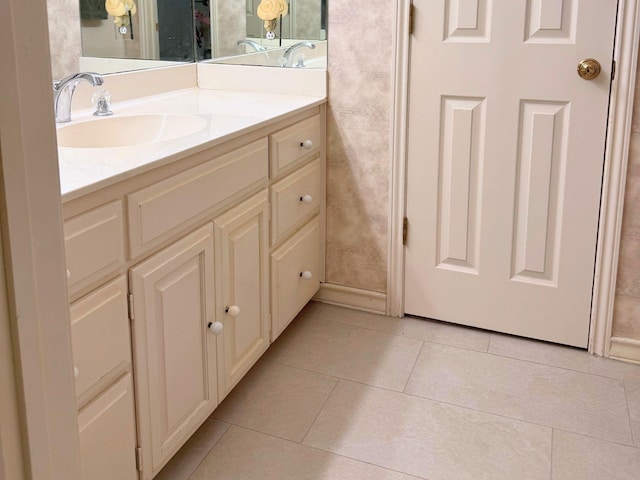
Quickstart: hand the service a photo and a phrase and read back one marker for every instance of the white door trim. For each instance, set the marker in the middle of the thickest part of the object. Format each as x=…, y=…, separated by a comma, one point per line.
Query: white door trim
x=615, y=170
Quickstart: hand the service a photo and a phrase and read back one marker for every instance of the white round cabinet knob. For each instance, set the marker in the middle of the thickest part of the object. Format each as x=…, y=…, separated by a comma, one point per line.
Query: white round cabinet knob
x=306, y=275
x=306, y=199
x=233, y=310
x=76, y=372
x=307, y=144
x=68, y=274
x=215, y=327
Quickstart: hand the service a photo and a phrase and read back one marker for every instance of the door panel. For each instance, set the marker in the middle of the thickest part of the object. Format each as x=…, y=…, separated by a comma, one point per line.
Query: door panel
x=505, y=158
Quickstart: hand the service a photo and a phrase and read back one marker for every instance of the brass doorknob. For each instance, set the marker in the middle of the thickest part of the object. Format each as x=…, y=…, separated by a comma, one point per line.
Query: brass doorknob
x=589, y=69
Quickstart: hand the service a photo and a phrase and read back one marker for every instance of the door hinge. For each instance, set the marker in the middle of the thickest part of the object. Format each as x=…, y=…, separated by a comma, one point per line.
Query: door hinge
x=139, y=458
x=613, y=70
x=132, y=315
x=412, y=16
x=405, y=230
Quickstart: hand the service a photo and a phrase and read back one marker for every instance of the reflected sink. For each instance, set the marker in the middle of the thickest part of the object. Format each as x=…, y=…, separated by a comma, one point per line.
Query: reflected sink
x=128, y=130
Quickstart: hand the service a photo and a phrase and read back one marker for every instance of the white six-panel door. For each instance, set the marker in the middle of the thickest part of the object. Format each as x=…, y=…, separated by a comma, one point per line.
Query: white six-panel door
x=505, y=159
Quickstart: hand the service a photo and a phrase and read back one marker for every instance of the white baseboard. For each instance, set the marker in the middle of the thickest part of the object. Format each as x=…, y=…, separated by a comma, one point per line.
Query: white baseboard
x=356, y=298
x=626, y=349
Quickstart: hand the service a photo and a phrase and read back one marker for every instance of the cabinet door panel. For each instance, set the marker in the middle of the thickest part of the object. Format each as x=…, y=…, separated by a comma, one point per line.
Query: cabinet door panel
x=175, y=353
x=108, y=436
x=242, y=267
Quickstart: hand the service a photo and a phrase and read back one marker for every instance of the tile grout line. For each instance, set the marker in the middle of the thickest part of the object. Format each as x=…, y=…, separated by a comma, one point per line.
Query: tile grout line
x=487, y=351
x=320, y=410
x=430, y=399
x=413, y=368
x=626, y=399
x=204, y=457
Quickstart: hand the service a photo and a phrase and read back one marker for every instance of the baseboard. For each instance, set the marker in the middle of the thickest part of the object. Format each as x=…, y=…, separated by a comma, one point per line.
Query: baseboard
x=356, y=298
x=626, y=349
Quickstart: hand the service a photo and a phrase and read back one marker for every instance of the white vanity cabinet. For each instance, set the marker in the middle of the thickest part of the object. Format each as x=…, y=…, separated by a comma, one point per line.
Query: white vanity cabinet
x=180, y=278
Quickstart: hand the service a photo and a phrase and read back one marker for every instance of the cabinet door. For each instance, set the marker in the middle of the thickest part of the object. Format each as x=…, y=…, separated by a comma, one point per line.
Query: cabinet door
x=174, y=351
x=242, y=273
x=108, y=436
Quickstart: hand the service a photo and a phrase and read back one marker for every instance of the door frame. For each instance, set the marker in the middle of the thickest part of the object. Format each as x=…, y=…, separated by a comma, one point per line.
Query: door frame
x=613, y=184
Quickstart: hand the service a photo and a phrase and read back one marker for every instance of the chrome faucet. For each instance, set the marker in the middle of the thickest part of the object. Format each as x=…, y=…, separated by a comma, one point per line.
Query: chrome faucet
x=253, y=44
x=63, y=93
x=288, y=53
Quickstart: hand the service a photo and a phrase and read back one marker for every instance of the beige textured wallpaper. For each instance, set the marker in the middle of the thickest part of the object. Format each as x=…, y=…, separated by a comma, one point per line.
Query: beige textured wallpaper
x=360, y=99
x=64, y=36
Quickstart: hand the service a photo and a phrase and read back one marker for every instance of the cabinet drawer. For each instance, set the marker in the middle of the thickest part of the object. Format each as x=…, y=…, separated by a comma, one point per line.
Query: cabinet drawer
x=107, y=434
x=294, y=199
x=293, y=144
x=100, y=334
x=93, y=243
x=156, y=210
x=290, y=289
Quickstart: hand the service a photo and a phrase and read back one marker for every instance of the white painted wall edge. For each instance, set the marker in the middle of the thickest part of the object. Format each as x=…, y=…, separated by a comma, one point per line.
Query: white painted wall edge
x=33, y=245
x=614, y=176
x=356, y=298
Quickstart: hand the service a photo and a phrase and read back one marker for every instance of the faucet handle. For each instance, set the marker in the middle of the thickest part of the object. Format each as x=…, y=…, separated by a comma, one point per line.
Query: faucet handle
x=101, y=100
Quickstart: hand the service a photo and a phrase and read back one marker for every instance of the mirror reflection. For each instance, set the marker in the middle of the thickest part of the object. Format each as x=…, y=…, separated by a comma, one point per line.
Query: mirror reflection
x=118, y=35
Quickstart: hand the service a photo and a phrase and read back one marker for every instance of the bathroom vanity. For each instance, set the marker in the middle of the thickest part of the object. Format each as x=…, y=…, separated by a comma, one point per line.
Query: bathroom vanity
x=186, y=258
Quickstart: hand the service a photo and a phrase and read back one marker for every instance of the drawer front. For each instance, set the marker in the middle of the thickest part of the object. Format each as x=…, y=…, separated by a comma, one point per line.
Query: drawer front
x=291, y=288
x=294, y=199
x=293, y=144
x=94, y=245
x=107, y=434
x=100, y=334
x=156, y=210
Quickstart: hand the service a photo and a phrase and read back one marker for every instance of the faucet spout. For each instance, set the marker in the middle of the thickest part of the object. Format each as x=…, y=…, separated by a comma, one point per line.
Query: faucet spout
x=253, y=44
x=63, y=93
x=288, y=53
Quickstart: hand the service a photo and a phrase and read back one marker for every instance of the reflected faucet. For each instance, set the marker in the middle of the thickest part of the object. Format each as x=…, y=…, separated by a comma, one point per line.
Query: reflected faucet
x=288, y=53
x=63, y=93
x=253, y=44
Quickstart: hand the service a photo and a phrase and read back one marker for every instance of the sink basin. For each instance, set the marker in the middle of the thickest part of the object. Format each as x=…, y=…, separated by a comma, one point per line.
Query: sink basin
x=128, y=130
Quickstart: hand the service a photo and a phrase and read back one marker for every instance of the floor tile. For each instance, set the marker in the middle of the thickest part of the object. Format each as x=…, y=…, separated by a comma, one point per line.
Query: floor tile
x=561, y=356
x=429, y=439
x=347, y=352
x=246, y=455
x=633, y=402
x=421, y=328
x=277, y=399
x=184, y=463
x=584, y=458
x=564, y=399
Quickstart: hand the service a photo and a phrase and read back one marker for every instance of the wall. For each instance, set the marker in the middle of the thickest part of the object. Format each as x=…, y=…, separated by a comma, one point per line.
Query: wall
x=626, y=322
x=64, y=36
x=359, y=142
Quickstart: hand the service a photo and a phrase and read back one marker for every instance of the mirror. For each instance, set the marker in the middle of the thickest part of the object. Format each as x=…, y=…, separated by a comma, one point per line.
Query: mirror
x=84, y=36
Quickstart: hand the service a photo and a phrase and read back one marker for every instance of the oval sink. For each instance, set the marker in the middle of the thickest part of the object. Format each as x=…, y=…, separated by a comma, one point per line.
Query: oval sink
x=128, y=130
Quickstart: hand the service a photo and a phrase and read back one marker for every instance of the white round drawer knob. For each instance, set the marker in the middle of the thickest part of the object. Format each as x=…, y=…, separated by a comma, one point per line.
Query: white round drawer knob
x=306, y=275
x=307, y=144
x=215, y=327
x=233, y=310
x=68, y=274
x=76, y=372
x=306, y=199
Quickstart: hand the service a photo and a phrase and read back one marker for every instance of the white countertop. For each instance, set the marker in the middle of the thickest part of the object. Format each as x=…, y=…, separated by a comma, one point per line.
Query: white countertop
x=227, y=114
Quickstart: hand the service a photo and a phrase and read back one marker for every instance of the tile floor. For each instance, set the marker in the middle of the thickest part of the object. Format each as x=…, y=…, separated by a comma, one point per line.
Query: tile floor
x=349, y=395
